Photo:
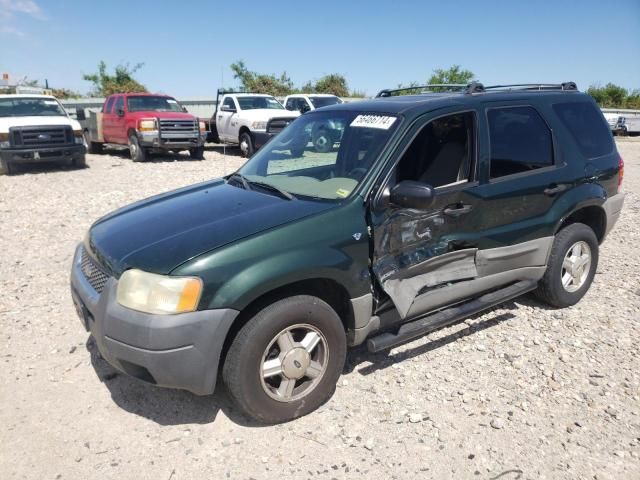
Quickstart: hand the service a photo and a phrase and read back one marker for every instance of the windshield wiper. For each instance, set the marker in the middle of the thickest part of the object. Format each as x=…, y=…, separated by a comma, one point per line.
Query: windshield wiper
x=242, y=178
x=268, y=186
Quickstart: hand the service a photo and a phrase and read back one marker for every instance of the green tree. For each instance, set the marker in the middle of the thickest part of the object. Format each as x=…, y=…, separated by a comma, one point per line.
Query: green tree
x=453, y=74
x=121, y=81
x=261, y=83
x=334, y=84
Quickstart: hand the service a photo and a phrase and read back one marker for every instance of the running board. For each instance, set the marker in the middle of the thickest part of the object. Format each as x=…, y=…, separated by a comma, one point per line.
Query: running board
x=412, y=330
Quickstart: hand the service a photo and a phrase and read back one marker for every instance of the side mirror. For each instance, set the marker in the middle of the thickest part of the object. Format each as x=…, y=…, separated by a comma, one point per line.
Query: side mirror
x=184, y=109
x=411, y=194
x=121, y=112
x=304, y=108
x=80, y=115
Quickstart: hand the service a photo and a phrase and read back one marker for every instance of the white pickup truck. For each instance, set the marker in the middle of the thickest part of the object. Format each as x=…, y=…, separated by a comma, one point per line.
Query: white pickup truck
x=36, y=128
x=248, y=120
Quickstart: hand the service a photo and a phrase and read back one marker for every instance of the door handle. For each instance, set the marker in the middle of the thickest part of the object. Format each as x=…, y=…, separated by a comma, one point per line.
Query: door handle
x=457, y=210
x=553, y=189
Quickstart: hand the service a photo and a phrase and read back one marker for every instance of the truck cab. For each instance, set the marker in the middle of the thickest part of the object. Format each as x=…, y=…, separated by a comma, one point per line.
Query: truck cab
x=145, y=122
x=304, y=102
x=36, y=128
x=248, y=120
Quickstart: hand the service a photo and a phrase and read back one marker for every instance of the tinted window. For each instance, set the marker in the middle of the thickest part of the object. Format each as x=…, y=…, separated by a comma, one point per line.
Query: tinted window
x=520, y=141
x=252, y=103
x=119, y=104
x=442, y=153
x=150, y=103
x=107, y=109
x=290, y=104
x=319, y=102
x=587, y=127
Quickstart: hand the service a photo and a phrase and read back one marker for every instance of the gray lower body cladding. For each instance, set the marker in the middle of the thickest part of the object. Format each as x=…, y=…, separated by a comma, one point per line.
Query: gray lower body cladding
x=178, y=351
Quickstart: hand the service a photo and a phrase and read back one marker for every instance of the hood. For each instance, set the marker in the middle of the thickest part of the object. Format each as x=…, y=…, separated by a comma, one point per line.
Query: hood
x=265, y=114
x=160, y=233
x=7, y=122
x=156, y=114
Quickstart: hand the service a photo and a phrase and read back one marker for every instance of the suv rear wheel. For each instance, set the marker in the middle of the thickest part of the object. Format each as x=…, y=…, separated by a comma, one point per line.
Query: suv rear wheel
x=571, y=267
x=285, y=362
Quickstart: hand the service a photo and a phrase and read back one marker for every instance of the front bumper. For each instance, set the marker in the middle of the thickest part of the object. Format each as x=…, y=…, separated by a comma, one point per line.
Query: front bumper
x=42, y=154
x=152, y=140
x=177, y=351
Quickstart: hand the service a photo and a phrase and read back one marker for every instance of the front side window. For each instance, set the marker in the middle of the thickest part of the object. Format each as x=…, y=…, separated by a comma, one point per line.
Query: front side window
x=253, y=103
x=322, y=155
x=290, y=104
x=149, y=103
x=520, y=141
x=587, y=127
x=319, y=102
x=31, y=107
x=442, y=153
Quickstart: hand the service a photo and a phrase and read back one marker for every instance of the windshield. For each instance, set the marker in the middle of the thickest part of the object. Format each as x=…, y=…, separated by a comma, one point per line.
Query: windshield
x=31, y=107
x=322, y=154
x=156, y=104
x=319, y=102
x=251, y=103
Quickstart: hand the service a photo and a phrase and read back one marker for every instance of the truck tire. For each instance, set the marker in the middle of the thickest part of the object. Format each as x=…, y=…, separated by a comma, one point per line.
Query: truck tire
x=246, y=145
x=5, y=167
x=285, y=362
x=323, y=141
x=80, y=162
x=197, y=153
x=138, y=153
x=571, y=267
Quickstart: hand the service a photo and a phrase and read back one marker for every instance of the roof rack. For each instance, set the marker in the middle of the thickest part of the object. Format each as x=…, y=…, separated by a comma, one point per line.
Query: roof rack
x=450, y=87
x=477, y=87
x=566, y=86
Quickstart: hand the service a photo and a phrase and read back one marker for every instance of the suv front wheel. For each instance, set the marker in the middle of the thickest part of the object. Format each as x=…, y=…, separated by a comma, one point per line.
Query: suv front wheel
x=571, y=267
x=285, y=362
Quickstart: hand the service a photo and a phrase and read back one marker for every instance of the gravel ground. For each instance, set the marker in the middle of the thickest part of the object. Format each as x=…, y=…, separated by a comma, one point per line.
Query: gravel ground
x=522, y=391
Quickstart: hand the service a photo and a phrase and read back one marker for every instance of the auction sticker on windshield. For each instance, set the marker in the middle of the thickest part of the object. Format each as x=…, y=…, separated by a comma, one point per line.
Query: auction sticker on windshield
x=373, y=121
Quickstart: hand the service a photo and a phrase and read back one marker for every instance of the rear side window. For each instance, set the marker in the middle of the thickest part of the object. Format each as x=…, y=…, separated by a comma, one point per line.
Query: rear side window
x=587, y=127
x=520, y=141
x=107, y=108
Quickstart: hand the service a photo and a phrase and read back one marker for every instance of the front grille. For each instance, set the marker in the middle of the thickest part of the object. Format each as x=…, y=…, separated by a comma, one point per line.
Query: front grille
x=276, y=125
x=174, y=129
x=94, y=273
x=41, y=136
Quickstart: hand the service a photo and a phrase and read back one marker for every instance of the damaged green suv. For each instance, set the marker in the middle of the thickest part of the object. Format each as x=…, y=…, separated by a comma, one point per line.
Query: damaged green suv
x=423, y=209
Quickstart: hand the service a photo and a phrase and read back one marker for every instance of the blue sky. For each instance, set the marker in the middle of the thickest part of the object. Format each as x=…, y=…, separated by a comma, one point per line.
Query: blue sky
x=188, y=46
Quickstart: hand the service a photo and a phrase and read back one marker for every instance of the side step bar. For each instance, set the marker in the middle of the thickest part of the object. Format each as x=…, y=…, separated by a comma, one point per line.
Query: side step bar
x=412, y=330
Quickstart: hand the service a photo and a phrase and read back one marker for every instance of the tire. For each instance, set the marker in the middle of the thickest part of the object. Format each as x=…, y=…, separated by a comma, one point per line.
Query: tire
x=197, y=153
x=138, y=153
x=5, y=167
x=323, y=141
x=246, y=145
x=551, y=289
x=79, y=162
x=258, y=395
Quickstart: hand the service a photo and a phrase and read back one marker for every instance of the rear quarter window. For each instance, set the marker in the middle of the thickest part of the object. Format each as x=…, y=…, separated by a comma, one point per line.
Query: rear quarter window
x=587, y=127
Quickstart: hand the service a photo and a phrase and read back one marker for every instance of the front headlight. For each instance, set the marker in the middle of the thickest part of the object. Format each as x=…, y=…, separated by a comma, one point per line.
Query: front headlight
x=148, y=125
x=4, y=140
x=203, y=127
x=152, y=293
x=259, y=125
x=4, y=144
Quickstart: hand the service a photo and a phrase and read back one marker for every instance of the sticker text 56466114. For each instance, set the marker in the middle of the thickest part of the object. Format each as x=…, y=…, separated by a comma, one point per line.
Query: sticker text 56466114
x=373, y=121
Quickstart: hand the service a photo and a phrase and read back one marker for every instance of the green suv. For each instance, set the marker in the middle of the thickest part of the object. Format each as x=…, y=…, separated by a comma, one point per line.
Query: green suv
x=426, y=209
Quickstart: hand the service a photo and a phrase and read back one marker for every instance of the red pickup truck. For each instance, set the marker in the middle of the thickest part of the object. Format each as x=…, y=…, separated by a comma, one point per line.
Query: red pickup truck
x=144, y=122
